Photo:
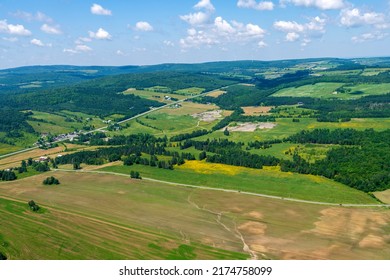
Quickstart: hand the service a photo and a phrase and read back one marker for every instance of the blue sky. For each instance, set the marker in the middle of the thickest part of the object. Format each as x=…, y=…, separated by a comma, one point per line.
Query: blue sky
x=133, y=32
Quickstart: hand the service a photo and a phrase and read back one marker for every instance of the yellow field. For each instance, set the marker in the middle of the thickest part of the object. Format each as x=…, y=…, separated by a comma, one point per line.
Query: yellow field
x=216, y=93
x=383, y=196
x=188, y=108
x=256, y=110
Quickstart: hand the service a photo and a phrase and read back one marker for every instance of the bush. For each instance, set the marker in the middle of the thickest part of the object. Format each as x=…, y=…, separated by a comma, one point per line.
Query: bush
x=51, y=181
x=33, y=206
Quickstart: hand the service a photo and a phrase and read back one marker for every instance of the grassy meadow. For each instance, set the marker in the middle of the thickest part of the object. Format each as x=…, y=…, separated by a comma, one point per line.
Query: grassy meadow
x=269, y=181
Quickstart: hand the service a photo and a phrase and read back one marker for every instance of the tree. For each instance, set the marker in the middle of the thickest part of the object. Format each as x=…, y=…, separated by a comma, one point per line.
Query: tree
x=2, y=256
x=23, y=167
x=202, y=155
x=135, y=175
x=76, y=165
x=226, y=132
x=51, y=181
x=29, y=161
x=33, y=206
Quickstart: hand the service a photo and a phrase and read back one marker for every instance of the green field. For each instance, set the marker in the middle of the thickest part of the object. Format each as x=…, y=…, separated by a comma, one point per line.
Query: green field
x=269, y=181
x=153, y=95
x=368, y=89
x=285, y=127
x=319, y=90
x=63, y=122
x=190, y=91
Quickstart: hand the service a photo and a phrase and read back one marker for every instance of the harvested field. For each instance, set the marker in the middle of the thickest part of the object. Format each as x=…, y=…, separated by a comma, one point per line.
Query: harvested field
x=250, y=127
x=114, y=212
x=216, y=93
x=256, y=110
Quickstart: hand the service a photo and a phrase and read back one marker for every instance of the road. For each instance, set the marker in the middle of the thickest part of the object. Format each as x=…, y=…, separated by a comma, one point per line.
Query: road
x=231, y=191
x=123, y=121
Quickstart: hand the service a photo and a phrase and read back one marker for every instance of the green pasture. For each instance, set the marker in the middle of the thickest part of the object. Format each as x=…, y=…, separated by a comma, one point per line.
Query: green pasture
x=319, y=90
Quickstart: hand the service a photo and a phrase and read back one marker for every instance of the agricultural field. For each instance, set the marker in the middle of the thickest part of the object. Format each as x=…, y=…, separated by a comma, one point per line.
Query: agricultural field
x=137, y=219
x=152, y=95
x=285, y=127
x=301, y=125
x=269, y=181
x=319, y=90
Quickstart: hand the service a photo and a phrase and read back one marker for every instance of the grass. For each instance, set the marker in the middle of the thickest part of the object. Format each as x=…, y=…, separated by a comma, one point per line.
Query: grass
x=319, y=90
x=152, y=95
x=285, y=127
x=58, y=124
x=97, y=216
x=190, y=91
x=369, y=89
x=383, y=196
x=269, y=181
x=112, y=218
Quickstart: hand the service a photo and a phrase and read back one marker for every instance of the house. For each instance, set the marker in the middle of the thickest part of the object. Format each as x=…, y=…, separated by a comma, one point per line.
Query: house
x=43, y=158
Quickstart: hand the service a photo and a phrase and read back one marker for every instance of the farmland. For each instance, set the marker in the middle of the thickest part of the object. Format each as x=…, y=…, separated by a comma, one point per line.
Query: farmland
x=140, y=218
x=228, y=160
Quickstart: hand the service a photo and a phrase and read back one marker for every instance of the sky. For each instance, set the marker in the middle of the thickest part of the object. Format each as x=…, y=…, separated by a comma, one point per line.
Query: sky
x=134, y=32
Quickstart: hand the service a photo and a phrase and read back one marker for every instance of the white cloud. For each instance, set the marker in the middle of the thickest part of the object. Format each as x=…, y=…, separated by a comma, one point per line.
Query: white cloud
x=195, y=18
x=252, y=4
x=221, y=32
x=17, y=29
x=205, y=4
x=51, y=29
x=96, y=9
x=101, y=34
x=294, y=31
x=288, y=26
x=223, y=26
x=262, y=44
x=82, y=40
x=39, y=43
x=169, y=43
x=143, y=26
x=78, y=49
x=83, y=48
x=120, y=53
x=320, y=4
x=354, y=17
x=292, y=37
x=38, y=16
x=373, y=36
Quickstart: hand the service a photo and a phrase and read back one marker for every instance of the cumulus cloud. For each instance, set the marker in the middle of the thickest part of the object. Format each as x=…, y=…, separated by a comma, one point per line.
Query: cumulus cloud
x=320, y=4
x=101, y=34
x=294, y=31
x=355, y=17
x=96, y=9
x=252, y=4
x=371, y=36
x=205, y=4
x=51, y=29
x=12, y=29
x=292, y=37
x=143, y=26
x=195, y=18
x=221, y=31
x=39, y=43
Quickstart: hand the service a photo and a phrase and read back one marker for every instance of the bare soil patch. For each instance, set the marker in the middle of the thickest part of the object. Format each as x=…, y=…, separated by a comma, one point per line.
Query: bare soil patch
x=250, y=127
x=208, y=116
x=256, y=110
